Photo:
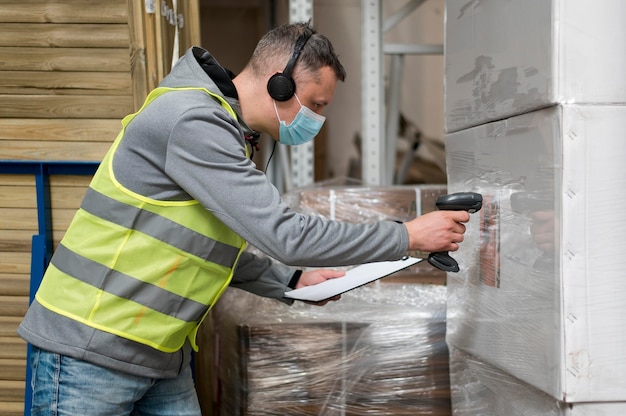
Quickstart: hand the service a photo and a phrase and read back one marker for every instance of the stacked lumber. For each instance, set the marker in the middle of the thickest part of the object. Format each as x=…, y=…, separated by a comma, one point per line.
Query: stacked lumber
x=70, y=70
x=65, y=83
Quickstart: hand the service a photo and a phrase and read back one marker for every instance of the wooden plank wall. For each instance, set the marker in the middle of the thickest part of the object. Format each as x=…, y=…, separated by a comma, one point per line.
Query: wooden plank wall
x=70, y=70
x=65, y=83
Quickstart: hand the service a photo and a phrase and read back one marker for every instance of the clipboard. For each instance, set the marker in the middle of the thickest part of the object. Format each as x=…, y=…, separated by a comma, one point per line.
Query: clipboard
x=354, y=278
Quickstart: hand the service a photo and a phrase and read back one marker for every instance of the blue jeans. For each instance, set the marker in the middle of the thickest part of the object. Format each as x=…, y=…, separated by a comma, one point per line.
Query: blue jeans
x=66, y=386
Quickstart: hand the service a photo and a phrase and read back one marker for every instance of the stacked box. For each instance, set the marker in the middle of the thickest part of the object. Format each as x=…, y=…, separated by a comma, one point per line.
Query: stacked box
x=504, y=58
x=362, y=204
x=535, y=103
x=478, y=388
x=543, y=297
x=377, y=351
x=293, y=368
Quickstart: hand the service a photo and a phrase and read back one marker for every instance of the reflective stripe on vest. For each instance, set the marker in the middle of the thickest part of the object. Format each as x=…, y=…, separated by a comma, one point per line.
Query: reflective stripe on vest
x=139, y=268
x=160, y=228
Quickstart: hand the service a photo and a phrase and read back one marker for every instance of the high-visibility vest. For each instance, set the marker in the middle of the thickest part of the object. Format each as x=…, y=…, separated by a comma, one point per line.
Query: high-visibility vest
x=142, y=269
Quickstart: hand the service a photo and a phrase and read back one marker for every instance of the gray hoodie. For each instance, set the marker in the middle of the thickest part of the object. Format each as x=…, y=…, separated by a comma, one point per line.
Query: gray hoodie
x=182, y=146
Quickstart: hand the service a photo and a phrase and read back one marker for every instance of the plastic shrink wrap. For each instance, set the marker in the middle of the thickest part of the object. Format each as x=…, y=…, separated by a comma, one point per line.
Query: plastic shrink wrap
x=541, y=295
x=359, y=203
x=478, y=388
x=380, y=350
x=505, y=58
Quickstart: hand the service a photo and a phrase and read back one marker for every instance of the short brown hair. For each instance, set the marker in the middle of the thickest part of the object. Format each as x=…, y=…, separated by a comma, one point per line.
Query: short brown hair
x=277, y=46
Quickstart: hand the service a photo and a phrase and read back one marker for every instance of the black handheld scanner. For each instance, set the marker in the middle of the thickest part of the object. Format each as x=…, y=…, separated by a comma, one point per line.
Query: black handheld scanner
x=460, y=201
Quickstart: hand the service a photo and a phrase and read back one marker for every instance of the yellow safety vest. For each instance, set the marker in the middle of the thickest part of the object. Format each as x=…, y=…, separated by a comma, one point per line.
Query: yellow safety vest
x=142, y=269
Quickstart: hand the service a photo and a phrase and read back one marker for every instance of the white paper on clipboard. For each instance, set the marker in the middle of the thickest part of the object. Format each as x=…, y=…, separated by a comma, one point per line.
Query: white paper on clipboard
x=356, y=277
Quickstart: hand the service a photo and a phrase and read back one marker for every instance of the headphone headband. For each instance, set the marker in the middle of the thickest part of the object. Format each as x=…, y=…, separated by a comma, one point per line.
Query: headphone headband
x=296, y=53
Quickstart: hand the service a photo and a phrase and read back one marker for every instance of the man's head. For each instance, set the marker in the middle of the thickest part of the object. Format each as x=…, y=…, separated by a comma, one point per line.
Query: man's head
x=277, y=47
x=292, y=66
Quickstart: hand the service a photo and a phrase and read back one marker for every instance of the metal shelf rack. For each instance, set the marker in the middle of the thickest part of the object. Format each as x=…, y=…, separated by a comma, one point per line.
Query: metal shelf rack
x=379, y=123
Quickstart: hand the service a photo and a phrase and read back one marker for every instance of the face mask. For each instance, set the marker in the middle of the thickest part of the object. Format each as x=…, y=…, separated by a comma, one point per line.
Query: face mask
x=302, y=129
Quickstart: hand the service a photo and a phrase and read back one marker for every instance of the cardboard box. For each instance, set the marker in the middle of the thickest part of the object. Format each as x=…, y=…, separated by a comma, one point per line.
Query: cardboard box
x=377, y=351
x=367, y=203
x=540, y=293
x=481, y=389
x=504, y=58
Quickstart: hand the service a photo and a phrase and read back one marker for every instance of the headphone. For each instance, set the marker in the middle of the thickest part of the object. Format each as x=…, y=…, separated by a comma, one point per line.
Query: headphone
x=281, y=85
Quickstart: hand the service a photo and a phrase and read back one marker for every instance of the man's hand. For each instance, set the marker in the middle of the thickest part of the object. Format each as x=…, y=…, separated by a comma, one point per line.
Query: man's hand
x=314, y=277
x=437, y=231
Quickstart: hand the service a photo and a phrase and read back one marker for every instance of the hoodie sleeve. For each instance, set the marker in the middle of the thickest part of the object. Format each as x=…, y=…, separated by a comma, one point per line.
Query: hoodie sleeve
x=206, y=157
x=263, y=277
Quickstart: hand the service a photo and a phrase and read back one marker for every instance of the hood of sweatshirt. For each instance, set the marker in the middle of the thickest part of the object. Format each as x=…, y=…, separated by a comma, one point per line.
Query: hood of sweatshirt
x=198, y=68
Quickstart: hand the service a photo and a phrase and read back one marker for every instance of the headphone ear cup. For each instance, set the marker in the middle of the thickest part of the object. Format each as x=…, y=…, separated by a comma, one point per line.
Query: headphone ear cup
x=281, y=87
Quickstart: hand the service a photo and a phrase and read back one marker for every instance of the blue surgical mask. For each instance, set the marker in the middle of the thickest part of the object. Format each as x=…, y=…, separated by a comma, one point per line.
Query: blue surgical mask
x=302, y=129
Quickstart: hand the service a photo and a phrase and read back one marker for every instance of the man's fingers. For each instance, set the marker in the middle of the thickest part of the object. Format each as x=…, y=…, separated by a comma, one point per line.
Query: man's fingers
x=331, y=274
x=459, y=216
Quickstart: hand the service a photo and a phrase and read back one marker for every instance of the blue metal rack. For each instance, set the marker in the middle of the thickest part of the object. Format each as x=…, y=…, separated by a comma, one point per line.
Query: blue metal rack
x=42, y=246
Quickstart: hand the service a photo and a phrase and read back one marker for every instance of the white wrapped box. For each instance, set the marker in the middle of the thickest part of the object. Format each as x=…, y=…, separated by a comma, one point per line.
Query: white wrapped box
x=541, y=293
x=504, y=58
x=480, y=389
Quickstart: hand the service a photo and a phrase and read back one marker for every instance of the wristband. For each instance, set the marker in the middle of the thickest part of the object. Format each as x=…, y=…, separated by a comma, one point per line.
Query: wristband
x=294, y=279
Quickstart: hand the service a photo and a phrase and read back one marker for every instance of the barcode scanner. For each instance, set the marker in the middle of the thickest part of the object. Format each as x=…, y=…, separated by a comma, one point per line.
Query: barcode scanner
x=460, y=201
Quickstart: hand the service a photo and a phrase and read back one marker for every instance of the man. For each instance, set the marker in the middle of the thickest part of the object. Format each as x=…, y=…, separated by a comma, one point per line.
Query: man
x=162, y=229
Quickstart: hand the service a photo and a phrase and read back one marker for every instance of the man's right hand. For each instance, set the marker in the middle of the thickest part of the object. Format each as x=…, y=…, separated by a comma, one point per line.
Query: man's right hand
x=437, y=231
